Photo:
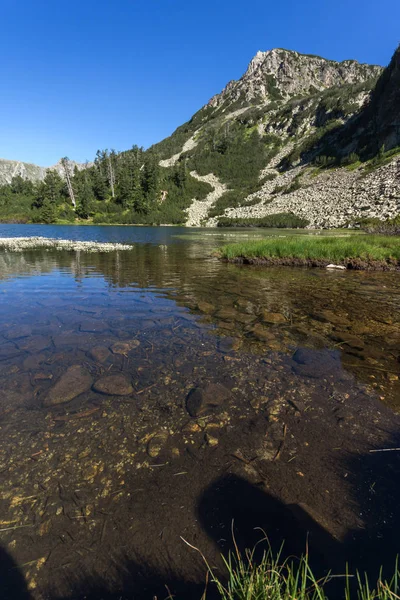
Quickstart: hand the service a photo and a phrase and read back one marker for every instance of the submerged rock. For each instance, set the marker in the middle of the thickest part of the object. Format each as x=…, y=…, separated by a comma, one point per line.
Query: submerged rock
x=206, y=307
x=9, y=350
x=18, y=332
x=93, y=326
x=99, y=353
x=34, y=343
x=315, y=363
x=228, y=344
x=113, y=385
x=73, y=383
x=262, y=333
x=272, y=317
x=200, y=400
x=124, y=347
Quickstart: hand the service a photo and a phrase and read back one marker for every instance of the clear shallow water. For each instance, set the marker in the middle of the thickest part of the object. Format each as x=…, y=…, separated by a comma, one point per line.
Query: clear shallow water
x=169, y=317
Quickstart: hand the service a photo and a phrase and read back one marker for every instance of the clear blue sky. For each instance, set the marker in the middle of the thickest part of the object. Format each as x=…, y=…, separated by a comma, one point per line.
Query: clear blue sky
x=81, y=75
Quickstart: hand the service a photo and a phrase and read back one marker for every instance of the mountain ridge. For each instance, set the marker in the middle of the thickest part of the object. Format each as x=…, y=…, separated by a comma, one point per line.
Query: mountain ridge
x=30, y=171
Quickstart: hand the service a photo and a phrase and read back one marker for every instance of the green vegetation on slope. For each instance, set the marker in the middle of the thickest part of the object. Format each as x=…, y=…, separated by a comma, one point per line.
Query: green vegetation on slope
x=315, y=249
x=279, y=220
x=234, y=153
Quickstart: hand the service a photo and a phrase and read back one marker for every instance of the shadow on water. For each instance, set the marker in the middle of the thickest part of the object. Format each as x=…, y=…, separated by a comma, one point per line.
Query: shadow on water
x=232, y=503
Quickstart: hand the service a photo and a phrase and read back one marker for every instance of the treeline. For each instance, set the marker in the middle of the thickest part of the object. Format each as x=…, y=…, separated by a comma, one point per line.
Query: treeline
x=126, y=187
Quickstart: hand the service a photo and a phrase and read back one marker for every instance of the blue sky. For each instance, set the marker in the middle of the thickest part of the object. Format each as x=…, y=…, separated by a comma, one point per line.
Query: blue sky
x=83, y=75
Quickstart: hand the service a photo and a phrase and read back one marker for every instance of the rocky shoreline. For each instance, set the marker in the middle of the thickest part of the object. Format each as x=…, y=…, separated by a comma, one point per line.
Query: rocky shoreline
x=19, y=244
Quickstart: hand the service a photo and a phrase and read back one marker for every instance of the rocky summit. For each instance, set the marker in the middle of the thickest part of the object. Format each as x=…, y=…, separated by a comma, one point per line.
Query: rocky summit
x=282, y=74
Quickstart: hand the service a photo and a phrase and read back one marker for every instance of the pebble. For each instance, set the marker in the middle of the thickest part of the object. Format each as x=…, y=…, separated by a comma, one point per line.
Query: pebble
x=156, y=444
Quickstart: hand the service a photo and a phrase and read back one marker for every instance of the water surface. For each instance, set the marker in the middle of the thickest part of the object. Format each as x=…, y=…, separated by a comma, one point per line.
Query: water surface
x=309, y=364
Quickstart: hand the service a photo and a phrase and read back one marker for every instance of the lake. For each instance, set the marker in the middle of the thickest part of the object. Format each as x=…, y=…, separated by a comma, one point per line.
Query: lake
x=158, y=393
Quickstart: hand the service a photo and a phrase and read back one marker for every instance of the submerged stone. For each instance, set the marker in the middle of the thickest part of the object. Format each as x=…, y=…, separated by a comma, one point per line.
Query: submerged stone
x=93, y=326
x=124, y=347
x=18, y=332
x=315, y=363
x=73, y=383
x=228, y=344
x=99, y=353
x=206, y=307
x=200, y=400
x=35, y=343
x=272, y=317
x=113, y=385
x=9, y=350
x=156, y=444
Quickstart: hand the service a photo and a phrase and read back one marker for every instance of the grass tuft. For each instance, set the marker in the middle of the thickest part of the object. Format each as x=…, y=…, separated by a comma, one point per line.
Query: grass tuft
x=292, y=579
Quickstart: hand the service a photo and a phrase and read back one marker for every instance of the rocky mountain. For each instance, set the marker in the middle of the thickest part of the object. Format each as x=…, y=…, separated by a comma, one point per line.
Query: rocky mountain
x=289, y=137
x=13, y=168
x=281, y=74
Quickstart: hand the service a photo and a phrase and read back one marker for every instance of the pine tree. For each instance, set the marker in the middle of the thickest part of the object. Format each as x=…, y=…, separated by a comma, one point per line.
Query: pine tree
x=85, y=194
x=151, y=176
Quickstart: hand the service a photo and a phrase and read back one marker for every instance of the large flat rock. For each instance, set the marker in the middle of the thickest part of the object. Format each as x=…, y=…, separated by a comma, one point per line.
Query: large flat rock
x=71, y=384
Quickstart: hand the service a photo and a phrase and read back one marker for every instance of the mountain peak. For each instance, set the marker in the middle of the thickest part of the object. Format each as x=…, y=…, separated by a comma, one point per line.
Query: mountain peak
x=279, y=74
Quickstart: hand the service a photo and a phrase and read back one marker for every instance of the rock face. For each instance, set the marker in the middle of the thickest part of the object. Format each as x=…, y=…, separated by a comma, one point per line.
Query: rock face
x=75, y=381
x=279, y=73
x=379, y=123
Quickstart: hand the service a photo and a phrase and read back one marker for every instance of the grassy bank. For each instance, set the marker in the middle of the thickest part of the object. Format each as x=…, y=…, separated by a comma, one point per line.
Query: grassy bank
x=353, y=251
